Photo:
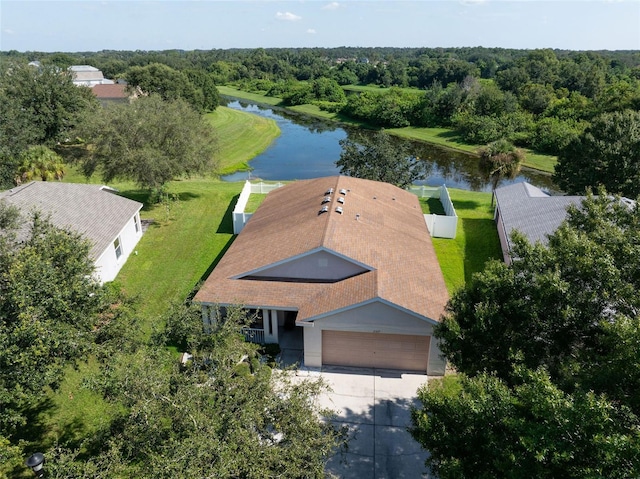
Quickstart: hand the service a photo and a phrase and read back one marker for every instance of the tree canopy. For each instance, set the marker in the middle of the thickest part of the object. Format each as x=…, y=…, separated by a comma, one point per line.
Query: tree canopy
x=379, y=159
x=606, y=154
x=547, y=351
x=196, y=87
x=38, y=106
x=225, y=413
x=52, y=311
x=151, y=142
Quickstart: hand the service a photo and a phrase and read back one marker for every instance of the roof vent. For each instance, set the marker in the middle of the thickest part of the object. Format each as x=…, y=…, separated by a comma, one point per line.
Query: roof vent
x=324, y=209
x=340, y=199
x=343, y=191
x=329, y=191
x=339, y=209
x=326, y=199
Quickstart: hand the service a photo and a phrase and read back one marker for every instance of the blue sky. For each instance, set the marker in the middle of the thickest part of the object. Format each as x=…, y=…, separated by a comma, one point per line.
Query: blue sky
x=93, y=25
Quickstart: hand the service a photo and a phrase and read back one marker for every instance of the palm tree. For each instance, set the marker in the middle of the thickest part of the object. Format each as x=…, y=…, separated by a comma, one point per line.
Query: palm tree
x=499, y=160
x=40, y=162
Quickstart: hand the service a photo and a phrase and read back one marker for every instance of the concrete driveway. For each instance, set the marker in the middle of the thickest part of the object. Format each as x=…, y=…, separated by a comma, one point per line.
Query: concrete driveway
x=375, y=406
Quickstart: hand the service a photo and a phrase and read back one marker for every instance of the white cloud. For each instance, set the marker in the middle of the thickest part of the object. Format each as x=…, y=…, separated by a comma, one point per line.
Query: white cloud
x=288, y=16
x=473, y=2
x=331, y=6
x=8, y=31
x=311, y=31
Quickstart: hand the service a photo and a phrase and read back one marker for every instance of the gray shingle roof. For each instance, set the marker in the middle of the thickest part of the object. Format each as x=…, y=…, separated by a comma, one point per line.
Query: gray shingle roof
x=531, y=211
x=91, y=210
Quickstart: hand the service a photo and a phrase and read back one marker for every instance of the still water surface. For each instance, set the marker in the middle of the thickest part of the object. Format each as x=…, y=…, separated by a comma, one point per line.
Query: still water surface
x=308, y=148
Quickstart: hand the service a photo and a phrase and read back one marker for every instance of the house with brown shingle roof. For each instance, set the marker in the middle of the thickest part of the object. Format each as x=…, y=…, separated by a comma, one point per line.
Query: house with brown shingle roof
x=114, y=93
x=348, y=260
x=110, y=222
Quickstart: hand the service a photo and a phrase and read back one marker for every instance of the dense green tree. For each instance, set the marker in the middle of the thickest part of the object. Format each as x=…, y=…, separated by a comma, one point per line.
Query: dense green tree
x=150, y=142
x=225, y=413
x=379, y=159
x=204, y=82
x=481, y=428
x=491, y=101
x=552, y=135
x=171, y=84
x=536, y=98
x=551, y=307
x=49, y=99
x=37, y=106
x=318, y=90
x=607, y=154
x=52, y=312
x=548, y=351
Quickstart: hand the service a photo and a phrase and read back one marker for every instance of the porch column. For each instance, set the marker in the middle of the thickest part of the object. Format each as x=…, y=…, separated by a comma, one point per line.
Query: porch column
x=274, y=324
x=208, y=317
x=270, y=324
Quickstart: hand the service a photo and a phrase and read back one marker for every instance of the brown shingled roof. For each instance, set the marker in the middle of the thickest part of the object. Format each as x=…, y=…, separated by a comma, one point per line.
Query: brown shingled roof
x=110, y=91
x=381, y=227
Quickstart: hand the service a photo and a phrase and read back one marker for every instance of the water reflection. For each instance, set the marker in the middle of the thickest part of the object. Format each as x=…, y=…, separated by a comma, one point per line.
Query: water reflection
x=308, y=148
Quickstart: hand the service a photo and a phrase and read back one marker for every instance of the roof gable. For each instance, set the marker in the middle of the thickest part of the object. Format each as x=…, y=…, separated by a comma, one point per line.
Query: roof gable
x=316, y=266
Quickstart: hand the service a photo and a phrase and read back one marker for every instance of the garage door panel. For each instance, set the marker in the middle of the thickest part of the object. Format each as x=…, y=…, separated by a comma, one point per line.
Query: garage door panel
x=391, y=351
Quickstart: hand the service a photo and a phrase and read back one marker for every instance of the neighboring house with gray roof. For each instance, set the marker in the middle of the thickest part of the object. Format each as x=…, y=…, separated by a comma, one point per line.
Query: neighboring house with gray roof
x=347, y=261
x=110, y=222
x=86, y=75
x=528, y=209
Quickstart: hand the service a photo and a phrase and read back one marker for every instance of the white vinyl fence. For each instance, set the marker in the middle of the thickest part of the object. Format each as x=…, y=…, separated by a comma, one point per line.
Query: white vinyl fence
x=240, y=218
x=439, y=226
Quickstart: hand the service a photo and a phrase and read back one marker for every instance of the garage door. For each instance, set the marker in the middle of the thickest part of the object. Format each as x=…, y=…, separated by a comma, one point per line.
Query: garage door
x=374, y=350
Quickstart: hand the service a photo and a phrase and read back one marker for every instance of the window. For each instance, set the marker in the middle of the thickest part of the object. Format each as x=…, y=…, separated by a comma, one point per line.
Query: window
x=136, y=220
x=117, y=246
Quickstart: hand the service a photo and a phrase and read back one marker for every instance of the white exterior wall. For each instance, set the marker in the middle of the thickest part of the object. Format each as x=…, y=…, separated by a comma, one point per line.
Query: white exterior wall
x=375, y=317
x=107, y=265
x=502, y=234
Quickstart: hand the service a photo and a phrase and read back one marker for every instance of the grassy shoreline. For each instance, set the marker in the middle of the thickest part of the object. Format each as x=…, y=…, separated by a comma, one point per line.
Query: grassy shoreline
x=442, y=137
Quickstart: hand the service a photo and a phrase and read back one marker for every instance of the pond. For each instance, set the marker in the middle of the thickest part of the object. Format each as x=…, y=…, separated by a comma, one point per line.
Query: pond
x=308, y=148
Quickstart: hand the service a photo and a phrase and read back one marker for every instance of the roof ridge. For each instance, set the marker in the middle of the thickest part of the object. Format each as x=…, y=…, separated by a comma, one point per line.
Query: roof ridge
x=325, y=230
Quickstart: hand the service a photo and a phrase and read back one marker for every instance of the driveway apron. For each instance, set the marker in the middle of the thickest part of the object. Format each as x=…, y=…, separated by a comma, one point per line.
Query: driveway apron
x=375, y=406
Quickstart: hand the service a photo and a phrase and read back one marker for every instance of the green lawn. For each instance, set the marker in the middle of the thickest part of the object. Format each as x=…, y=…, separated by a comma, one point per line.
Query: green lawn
x=267, y=100
x=241, y=136
x=476, y=240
